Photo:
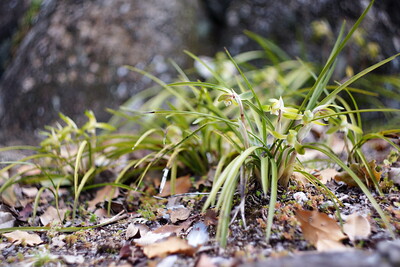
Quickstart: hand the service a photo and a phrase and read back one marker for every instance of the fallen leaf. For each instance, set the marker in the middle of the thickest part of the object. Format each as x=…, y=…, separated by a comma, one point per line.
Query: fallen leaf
x=21, y=237
x=116, y=206
x=168, y=229
x=131, y=231
x=326, y=175
x=205, y=261
x=136, y=230
x=172, y=245
x=9, y=197
x=357, y=227
x=125, y=251
x=28, y=170
x=58, y=241
x=362, y=173
x=320, y=230
x=51, y=215
x=26, y=212
x=182, y=185
x=151, y=238
x=329, y=245
x=198, y=235
x=210, y=218
x=102, y=195
x=180, y=214
x=300, y=178
x=177, y=229
x=30, y=192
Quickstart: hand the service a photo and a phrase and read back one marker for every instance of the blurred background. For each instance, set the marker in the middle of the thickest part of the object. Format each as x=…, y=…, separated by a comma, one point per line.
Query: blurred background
x=68, y=55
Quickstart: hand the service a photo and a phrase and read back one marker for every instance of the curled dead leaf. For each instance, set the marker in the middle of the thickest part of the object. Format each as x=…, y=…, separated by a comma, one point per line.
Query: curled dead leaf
x=362, y=173
x=151, y=238
x=51, y=215
x=357, y=226
x=182, y=185
x=320, y=230
x=136, y=230
x=210, y=218
x=102, y=195
x=21, y=237
x=173, y=245
x=326, y=175
x=180, y=214
x=205, y=261
x=30, y=192
x=168, y=229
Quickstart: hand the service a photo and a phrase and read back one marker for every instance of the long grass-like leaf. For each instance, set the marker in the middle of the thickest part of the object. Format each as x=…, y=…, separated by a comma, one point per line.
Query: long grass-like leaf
x=273, y=198
x=76, y=170
x=329, y=97
x=231, y=169
x=264, y=162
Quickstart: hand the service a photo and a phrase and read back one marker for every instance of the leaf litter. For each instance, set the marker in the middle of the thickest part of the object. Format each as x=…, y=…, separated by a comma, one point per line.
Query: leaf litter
x=320, y=230
x=172, y=228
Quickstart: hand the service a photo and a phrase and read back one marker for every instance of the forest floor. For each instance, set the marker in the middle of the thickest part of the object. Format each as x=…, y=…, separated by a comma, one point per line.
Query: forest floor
x=148, y=229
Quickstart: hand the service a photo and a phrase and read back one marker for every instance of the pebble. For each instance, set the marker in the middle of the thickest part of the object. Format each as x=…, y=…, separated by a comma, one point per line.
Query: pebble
x=300, y=197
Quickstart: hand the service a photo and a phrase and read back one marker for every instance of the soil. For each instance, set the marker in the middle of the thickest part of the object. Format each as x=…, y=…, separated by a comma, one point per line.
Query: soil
x=114, y=244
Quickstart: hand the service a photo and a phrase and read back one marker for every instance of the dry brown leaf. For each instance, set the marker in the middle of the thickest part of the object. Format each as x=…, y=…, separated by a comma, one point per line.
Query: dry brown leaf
x=300, y=178
x=125, y=251
x=102, y=195
x=30, y=192
x=136, y=230
x=182, y=185
x=9, y=197
x=362, y=173
x=180, y=214
x=330, y=245
x=28, y=170
x=357, y=226
x=320, y=230
x=168, y=229
x=177, y=229
x=210, y=218
x=58, y=241
x=172, y=245
x=51, y=215
x=21, y=237
x=326, y=175
x=205, y=261
x=131, y=231
x=151, y=238
x=101, y=213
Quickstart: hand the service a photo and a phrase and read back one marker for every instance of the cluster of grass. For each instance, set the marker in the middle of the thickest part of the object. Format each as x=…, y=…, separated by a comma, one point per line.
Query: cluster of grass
x=244, y=121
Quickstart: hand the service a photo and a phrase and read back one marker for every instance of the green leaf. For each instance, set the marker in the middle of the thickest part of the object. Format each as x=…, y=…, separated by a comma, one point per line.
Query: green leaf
x=246, y=95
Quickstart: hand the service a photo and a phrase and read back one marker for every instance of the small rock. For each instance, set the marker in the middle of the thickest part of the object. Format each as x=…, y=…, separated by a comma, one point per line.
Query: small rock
x=394, y=175
x=198, y=235
x=300, y=197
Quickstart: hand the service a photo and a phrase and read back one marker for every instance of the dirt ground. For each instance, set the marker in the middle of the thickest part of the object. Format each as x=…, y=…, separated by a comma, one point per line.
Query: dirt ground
x=147, y=230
